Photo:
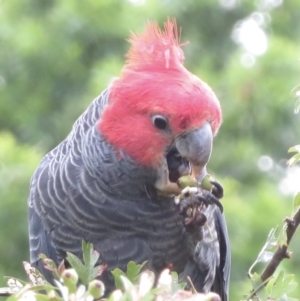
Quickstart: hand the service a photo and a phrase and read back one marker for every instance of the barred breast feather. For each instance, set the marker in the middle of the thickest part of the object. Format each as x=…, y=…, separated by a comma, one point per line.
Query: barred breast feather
x=83, y=190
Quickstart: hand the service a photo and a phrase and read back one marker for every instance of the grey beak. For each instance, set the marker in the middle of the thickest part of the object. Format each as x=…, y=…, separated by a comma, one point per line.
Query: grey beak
x=196, y=146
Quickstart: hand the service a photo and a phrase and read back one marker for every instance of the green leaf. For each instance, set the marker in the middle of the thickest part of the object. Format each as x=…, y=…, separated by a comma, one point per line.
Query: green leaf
x=294, y=149
x=175, y=284
x=86, y=273
x=90, y=256
x=86, y=252
x=282, y=285
x=295, y=159
x=296, y=202
x=117, y=273
x=258, y=287
x=279, y=277
x=75, y=262
x=289, y=285
x=133, y=271
x=270, y=285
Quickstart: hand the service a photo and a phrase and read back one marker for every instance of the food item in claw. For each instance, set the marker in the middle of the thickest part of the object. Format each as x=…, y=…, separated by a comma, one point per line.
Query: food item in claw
x=206, y=182
x=190, y=181
x=187, y=181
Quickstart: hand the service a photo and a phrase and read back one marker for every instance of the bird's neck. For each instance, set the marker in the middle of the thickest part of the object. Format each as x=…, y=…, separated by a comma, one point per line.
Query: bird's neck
x=114, y=170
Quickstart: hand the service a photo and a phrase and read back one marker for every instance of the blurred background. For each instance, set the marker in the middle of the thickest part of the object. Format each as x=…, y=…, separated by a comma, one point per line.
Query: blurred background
x=57, y=56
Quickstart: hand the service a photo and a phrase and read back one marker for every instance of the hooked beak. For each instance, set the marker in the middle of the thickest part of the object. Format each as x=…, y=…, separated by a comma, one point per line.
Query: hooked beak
x=194, y=147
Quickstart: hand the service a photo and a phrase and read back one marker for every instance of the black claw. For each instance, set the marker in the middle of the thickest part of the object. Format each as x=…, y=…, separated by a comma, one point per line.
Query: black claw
x=209, y=198
x=217, y=190
x=219, y=204
x=196, y=202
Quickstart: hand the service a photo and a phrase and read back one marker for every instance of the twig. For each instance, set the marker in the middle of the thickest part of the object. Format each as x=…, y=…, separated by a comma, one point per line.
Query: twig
x=194, y=291
x=252, y=294
x=282, y=251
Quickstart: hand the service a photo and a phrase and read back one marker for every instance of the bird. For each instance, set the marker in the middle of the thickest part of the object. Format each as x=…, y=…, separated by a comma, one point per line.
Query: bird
x=112, y=180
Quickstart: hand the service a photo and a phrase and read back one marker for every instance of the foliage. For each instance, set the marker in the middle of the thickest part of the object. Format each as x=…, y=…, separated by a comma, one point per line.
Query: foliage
x=295, y=158
x=267, y=286
x=133, y=271
x=134, y=285
x=86, y=270
x=275, y=287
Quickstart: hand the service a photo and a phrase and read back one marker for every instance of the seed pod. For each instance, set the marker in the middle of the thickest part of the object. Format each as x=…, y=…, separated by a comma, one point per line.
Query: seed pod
x=186, y=181
x=96, y=289
x=70, y=279
x=206, y=184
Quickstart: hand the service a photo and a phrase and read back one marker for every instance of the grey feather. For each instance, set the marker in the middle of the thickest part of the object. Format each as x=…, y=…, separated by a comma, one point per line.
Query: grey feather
x=83, y=191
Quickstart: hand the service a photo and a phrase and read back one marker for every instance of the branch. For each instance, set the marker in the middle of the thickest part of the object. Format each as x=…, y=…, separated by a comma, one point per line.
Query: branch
x=282, y=251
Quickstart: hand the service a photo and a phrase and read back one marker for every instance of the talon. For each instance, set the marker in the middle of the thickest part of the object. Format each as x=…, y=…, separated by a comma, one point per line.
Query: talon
x=219, y=204
x=211, y=200
x=217, y=190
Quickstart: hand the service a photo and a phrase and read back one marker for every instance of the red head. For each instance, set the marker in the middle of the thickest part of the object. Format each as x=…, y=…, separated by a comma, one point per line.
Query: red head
x=155, y=82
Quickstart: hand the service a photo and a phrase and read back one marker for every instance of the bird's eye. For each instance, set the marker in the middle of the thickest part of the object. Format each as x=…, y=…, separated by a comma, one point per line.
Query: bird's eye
x=160, y=122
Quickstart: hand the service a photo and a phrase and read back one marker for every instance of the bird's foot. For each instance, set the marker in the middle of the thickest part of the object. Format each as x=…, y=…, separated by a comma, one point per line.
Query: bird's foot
x=193, y=201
